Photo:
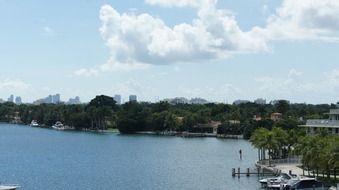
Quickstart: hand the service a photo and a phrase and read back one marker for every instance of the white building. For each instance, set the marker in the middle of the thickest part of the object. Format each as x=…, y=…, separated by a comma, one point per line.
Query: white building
x=331, y=124
x=117, y=99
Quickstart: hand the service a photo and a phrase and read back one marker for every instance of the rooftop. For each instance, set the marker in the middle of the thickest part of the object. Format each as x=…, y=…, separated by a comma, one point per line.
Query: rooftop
x=321, y=123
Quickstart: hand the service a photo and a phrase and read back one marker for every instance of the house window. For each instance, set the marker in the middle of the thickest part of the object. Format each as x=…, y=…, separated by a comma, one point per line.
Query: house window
x=329, y=130
x=336, y=130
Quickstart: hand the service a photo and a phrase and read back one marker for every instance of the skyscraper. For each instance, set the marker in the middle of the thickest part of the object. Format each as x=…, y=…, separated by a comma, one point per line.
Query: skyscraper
x=11, y=98
x=56, y=99
x=18, y=100
x=75, y=100
x=117, y=99
x=133, y=98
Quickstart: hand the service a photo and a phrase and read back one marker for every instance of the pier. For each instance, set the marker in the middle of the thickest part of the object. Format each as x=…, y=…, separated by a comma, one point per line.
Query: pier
x=259, y=172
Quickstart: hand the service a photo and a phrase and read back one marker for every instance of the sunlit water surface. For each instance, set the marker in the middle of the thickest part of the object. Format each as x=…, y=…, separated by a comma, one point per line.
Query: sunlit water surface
x=46, y=159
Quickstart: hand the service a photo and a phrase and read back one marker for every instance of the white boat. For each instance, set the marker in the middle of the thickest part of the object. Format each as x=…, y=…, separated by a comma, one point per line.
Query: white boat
x=58, y=126
x=276, y=181
x=9, y=187
x=34, y=123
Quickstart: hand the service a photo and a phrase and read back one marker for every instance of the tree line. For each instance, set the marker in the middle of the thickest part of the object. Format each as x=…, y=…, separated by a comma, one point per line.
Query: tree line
x=102, y=112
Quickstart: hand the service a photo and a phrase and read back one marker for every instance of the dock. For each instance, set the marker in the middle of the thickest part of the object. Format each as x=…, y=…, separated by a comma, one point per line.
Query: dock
x=259, y=172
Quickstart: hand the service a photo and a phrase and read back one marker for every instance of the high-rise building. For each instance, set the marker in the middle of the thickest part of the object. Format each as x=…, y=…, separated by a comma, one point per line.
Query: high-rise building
x=18, y=100
x=133, y=98
x=11, y=98
x=238, y=102
x=260, y=101
x=49, y=99
x=75, y=100
x=198, y=101
x=56, y=99
x=117, y=99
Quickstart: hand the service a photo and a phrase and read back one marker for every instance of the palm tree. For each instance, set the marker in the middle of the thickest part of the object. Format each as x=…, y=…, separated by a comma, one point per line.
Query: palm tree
x=281, y=136
x=257, y=140
x=264, y=139
x=270, y=143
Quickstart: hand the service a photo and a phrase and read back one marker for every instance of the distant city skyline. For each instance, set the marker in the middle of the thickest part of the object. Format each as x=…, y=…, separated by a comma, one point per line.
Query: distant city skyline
x=220, y=51
x=54, y=99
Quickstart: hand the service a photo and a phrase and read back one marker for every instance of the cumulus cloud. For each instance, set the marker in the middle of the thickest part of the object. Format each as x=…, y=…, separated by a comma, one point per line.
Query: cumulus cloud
x=136, y=41
x=145, y=39
x=305, y=20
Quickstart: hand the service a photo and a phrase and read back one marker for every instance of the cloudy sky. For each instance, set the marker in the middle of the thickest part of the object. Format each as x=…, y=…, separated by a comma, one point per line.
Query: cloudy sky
x=218, y=50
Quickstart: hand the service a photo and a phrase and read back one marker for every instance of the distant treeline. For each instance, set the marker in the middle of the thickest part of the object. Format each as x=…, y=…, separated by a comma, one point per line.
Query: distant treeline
x=102, y=112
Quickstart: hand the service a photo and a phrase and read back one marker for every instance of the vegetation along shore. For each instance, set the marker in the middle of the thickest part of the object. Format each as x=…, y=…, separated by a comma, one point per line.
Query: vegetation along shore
x=102, y=113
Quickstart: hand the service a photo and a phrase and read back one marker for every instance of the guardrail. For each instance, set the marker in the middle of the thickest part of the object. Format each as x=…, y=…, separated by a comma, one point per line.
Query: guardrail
x=289, y=160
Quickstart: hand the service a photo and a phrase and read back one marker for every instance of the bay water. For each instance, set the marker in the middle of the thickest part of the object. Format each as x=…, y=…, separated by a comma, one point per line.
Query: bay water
x=39, y=159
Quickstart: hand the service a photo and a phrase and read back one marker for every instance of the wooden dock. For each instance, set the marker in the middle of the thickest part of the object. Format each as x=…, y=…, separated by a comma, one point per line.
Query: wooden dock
x=259, y=172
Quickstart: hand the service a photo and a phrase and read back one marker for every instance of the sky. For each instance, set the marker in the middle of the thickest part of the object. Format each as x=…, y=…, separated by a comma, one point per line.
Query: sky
x=218, y=50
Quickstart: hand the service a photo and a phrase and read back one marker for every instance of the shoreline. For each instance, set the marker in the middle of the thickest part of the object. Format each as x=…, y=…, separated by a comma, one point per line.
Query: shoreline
x=189, y=135
x=154, y=133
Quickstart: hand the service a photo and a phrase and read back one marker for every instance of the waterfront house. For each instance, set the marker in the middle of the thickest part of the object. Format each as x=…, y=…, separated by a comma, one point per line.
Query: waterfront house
x=331, y=124
x=276, y=116
x=211, y=127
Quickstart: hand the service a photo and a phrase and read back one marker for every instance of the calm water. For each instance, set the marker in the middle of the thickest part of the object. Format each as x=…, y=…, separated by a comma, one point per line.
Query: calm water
x=47, y=159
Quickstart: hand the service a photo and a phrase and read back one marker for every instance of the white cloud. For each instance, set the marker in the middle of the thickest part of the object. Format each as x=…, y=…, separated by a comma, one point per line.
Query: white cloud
x=177, y=3
x=294, y=73
x=86, y=72
x=13, y=85
x=144, y=39
x=136, y=41
x=305, y=20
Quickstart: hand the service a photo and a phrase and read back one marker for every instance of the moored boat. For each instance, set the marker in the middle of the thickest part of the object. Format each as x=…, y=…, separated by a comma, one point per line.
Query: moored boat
x=284, y=177
x=58, y=126
x=9, y=187
x=34, y=123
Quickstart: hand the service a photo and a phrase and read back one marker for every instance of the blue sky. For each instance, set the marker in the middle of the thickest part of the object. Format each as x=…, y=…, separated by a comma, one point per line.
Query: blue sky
x=218, y=50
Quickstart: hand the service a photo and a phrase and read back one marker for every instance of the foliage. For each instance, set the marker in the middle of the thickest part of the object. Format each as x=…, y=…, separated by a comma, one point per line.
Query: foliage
x=102, y=113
